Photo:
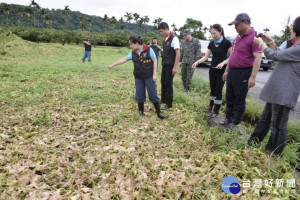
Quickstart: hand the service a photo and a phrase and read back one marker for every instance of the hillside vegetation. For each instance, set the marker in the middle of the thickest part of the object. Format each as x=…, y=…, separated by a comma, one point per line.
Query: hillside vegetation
x=73, y=21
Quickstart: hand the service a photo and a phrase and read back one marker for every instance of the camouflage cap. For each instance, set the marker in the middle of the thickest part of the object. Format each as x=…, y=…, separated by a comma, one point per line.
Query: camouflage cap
x=187, y=32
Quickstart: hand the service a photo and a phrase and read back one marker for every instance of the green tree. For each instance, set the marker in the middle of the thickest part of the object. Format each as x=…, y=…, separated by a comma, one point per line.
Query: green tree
x=35, y=7
x=174, y=27
x=20, y=15
x=195, y=26
x=106, y=21
x=43, y=14
x=89, y=21
x=286, y=32
x=145, y=20
x=29, y=14
x=78, y=37
x=122, y=26
x=48, y=20
x=5, y=8
x=128, y=17
x=113, y=21
x=156, y=22
x=136, y=18
x=81, y=21
x=47, y=35
x=140, y=23
x=62, y=36
x=205, y=29
x=65, y=12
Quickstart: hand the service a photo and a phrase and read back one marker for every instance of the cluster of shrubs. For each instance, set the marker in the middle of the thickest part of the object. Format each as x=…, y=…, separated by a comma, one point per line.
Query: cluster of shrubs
x=76, y=36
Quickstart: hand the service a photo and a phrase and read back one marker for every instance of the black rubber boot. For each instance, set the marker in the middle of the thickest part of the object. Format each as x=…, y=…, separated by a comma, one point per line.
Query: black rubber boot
x=141, y=108
x=159, y=114
x=210, y=107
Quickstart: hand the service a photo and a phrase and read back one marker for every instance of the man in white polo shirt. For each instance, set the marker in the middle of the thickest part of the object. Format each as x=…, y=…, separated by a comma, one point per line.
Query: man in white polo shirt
x=170, y=60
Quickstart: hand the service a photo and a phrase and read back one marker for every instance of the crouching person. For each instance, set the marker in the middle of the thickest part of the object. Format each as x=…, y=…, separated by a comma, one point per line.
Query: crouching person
x=145, y=73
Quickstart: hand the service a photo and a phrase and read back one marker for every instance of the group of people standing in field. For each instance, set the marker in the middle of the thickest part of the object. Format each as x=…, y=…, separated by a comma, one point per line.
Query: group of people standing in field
x=235, y=63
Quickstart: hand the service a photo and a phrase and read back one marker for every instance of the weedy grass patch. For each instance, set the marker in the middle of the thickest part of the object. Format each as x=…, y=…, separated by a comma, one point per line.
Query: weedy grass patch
x=71, y=130
x=253, y=110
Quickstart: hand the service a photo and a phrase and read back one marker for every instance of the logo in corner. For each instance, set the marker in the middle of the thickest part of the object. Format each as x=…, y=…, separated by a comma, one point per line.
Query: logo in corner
x=231, y=185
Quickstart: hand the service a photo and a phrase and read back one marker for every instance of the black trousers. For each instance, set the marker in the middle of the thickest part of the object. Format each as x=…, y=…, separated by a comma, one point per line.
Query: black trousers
x=167, y=82
x=216, y=84
x=274, y=117
x=236, y=92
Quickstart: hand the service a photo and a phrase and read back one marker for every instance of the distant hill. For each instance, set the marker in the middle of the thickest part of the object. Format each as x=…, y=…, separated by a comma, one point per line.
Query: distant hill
x=58, y=21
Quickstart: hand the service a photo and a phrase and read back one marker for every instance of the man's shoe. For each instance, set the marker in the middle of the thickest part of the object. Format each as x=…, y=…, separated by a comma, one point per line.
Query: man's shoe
x=166, y=107
x=232, y=127
x=225, y=122
x=161, y=116
x=208, y=110
x=141, y=113
x=210, y=107
x=213, y=114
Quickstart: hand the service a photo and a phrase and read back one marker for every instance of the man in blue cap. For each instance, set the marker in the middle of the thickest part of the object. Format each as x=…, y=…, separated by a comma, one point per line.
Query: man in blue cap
x=240, y=73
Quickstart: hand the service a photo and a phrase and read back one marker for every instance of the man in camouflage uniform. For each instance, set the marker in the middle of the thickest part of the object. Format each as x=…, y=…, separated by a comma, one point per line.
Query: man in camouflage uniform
x=190, y=53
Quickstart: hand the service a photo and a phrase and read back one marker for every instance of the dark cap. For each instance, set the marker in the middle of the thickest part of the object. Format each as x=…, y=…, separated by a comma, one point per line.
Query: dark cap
x=86, y=39
x=241, y=17
x=186, y=32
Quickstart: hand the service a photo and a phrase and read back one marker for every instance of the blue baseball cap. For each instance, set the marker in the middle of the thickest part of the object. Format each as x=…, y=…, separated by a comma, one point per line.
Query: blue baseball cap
x=240, y=17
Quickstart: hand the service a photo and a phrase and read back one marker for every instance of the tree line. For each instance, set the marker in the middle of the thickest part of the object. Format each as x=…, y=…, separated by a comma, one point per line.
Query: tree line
x=73, y=36
x=131, y=23
x=35, y=16
x=65, y=19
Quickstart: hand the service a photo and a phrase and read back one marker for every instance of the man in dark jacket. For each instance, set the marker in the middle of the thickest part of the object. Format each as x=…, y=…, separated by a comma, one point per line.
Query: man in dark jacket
x=88, y=48
x=170, y=60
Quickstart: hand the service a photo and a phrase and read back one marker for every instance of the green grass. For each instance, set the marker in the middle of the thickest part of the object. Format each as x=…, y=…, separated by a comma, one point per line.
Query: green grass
x=291, y=153
x=70, y=129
